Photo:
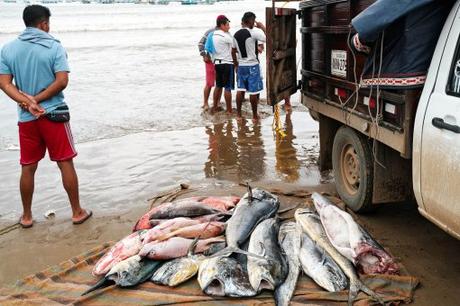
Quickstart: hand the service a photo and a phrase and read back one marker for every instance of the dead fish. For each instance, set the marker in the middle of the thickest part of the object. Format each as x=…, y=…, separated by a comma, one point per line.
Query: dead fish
x=266, y=273
x=250, y=211
x=125, y=248
x=312, y=226
x=183, y=209
x=352, y=240
x=317, y=264
x=224, y=276
x=214, y=248
x=128, y=273
x=204, y=230
x=289, y=238
x=178, y=270
x=185, y=221
x=175, y=247
x=222, y=203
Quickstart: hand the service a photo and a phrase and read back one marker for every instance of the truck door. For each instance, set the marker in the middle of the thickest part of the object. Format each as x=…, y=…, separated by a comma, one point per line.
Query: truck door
x=440, y=145
x=281, y=53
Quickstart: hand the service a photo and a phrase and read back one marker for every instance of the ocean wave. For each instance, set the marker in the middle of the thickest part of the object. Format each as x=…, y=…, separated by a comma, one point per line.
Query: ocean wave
x=111, y=28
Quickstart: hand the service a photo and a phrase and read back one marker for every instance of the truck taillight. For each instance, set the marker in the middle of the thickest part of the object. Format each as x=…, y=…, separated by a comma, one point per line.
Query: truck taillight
x=369, y=101
x=339, y=92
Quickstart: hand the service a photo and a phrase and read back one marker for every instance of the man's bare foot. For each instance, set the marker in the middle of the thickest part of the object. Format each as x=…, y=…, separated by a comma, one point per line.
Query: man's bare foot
x=255, y=119
x=82, y=217
x=229, y=112
x=205, y=107
x=26, y=223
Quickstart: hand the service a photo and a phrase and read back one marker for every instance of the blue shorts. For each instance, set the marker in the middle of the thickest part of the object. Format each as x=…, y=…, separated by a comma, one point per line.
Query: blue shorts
x=249, y=79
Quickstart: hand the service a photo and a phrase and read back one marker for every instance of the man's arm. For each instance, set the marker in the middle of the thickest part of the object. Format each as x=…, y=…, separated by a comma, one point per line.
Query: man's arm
x=6, y=84
x=59, y=84
x=235, y=60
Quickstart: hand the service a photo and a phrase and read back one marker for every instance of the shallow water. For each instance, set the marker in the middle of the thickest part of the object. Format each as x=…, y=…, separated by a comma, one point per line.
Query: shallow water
x=135, y=97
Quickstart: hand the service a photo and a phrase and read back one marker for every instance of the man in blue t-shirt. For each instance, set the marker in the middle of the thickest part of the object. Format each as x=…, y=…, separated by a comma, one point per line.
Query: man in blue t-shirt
x=37, y=63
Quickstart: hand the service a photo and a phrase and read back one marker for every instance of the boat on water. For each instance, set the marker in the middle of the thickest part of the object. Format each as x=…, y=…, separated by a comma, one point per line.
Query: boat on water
x=189, y=2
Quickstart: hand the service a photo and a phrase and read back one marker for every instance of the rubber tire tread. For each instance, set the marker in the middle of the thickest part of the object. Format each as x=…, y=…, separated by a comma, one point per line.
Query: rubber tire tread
x=362, y=201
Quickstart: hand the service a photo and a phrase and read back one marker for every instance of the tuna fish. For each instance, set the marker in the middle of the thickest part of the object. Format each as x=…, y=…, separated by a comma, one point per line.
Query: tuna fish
x=317, y=264
x=353, y=241
x=175, y=247
x=178, y=270
x=203, y=230
x=223, y=276
x=289, y=239
x=253, y=208
x=312, y=226
x=183, y=209
x=185, y=221
x=127, y=273
x=127, y=247
x=266, y=273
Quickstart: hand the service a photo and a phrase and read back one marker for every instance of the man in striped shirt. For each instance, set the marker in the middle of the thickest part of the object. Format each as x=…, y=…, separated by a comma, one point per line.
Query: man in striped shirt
x=209, y=65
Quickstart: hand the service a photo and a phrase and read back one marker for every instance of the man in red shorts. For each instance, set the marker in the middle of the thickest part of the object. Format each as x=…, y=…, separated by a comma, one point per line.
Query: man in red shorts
x=37, y=63
x=210, y=72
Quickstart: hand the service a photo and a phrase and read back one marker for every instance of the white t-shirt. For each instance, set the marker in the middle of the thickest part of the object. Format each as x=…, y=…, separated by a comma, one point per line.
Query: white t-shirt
x=223, y=43
x=246, y=41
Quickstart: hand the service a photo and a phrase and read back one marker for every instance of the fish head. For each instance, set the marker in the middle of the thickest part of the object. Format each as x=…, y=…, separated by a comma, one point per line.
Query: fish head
x=261, y=279
x=216, y=287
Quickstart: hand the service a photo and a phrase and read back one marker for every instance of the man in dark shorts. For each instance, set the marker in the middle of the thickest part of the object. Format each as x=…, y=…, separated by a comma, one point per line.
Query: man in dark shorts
x=37, y=63
x=249, y=79
x=224, y=61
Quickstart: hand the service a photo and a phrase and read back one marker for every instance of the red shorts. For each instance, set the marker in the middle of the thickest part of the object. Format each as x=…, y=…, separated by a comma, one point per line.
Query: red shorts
x=38, y=135
x=210, y=74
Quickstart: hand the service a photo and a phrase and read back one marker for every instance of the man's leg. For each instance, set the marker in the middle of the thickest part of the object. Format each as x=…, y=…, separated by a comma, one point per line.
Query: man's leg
x=254, y=99
x=228, y=101
x=287, y=103
x=70, y=182
x=206, y=93
x=216, y=100
x=239, y=103
x=26, y=186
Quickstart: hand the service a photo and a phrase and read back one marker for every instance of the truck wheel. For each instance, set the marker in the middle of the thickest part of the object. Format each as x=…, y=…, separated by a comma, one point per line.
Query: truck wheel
x=353, y=166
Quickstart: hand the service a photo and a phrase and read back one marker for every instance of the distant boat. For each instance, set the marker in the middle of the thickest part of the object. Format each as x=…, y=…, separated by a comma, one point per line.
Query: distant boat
x=189, y=2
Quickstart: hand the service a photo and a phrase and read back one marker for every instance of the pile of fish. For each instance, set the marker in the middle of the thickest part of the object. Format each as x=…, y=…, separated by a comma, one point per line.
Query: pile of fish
x=175, y=241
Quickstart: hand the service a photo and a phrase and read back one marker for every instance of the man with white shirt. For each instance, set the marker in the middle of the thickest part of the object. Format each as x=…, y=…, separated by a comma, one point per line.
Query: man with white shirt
x=249, y=79
x=224, y=60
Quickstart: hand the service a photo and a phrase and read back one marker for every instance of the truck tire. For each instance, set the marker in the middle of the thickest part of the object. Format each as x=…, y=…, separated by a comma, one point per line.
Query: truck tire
x=353, y=167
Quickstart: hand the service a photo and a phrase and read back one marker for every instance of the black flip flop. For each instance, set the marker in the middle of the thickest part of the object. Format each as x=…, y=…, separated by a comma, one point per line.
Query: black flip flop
x=89, y=213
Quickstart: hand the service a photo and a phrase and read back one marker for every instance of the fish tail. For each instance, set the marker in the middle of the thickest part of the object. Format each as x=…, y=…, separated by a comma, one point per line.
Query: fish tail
x=102, y=283
x=357, y=286
x=192, y=247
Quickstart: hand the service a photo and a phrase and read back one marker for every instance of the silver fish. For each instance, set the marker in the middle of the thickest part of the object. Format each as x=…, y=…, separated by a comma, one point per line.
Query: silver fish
x=266, y=273
x=317, y=264
x=127, y=273
x=289, y=239
x=185, y=209
x=308, y=220
x=256, y=206
x=223, y=276
x=353, y=241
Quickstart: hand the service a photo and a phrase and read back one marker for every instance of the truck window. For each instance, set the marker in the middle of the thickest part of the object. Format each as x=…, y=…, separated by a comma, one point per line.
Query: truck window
x=453, y=87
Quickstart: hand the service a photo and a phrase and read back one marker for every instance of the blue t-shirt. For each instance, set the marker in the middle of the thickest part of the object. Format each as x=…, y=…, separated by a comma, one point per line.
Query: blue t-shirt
x=33, y=59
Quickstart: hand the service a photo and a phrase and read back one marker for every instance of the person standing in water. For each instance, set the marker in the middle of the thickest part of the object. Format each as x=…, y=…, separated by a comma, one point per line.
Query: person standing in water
x=209, y=65
x=37, y=63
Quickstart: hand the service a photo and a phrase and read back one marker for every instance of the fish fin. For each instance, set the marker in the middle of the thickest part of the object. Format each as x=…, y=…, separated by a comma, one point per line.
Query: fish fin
x=102, y=283
x=263, y=248
x=359, y=286
x=249, y=193
x=191, y=249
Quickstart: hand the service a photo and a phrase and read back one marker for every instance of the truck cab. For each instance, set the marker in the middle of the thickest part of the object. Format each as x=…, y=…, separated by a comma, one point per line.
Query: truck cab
x=382, y=145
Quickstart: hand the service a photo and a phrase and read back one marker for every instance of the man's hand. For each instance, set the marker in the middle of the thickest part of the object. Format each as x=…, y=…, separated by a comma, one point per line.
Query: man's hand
x=31, y=105
x=259, y=25
x=206, y=58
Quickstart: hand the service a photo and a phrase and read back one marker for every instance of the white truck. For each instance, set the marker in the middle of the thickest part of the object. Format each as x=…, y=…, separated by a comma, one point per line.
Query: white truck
x=383, y=145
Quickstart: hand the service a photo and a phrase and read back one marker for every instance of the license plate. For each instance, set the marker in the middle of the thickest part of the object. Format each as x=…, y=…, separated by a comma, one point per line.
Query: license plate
x=339, y=63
